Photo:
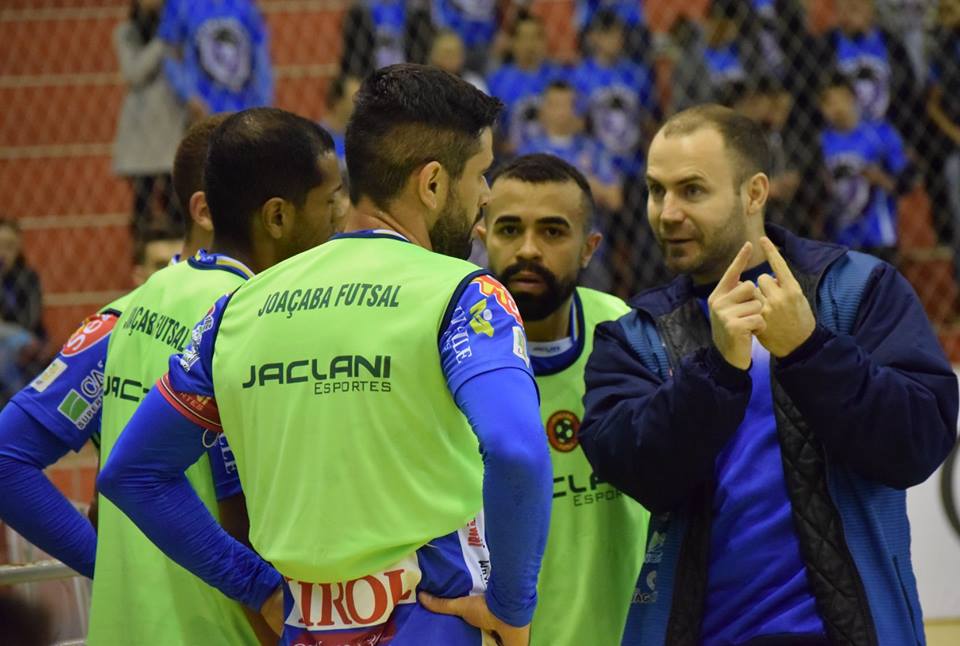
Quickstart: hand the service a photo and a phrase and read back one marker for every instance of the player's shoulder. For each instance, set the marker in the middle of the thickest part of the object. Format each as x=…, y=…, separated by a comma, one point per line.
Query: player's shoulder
x=599, y=306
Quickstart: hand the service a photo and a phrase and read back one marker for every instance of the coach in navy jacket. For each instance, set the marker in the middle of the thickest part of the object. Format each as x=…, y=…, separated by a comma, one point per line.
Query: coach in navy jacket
x=863, y=408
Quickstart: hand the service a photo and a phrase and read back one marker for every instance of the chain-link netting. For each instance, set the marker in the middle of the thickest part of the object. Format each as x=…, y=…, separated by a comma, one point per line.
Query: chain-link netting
x=860, y=101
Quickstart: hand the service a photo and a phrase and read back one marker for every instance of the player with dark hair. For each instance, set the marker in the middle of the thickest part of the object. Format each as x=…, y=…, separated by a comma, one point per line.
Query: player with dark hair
x=369, y=363
x=55, y=413
x=538, y=232
x=271, y=182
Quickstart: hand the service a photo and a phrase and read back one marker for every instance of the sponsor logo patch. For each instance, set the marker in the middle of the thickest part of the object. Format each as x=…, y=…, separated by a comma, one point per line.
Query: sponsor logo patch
x=48, y=376
x=78, y=410
x=520, y=344
x=489, y=286
x=359, y=603
x=481, y=317
x=91, y=331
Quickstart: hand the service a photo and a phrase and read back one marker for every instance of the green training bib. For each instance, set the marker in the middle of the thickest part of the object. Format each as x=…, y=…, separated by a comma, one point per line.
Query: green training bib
x=597, y=534
x=327, y=373
x=139, y=595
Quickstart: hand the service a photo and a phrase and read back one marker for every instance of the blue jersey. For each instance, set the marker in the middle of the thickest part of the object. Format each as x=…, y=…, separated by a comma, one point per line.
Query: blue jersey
x=618, y=100
x=863, y=215
x=865, y=61
x=629, y=11
x=225, y=57
x=580, y=151
x=520, y=92
x=474, y=20
x=449, y=566
x=67, y=397
x=389, y=26
x=756, y=580
x=724, y=64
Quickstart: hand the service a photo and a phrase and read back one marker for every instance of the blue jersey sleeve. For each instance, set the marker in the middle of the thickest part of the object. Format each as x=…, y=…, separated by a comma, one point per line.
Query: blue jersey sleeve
x=30, y=503
x=483, y=332
x=188, y=384
x=67, y=397
x=226, y=479
x=192, y=371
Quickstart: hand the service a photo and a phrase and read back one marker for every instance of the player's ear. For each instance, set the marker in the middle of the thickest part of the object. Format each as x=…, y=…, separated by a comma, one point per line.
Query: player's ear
x=276, y=216
x=431, y=185
x=590, y=246
x=757, y=190
x=480, y=230
x=200, y=212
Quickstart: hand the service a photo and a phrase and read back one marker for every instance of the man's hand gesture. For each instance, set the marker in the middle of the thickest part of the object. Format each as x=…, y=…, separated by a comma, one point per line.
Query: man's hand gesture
x=735, y=312
x=786, y=311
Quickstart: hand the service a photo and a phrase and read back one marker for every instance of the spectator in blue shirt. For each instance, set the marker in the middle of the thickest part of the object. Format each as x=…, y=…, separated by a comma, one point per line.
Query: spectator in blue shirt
x=630, y=13
x=447, y=52
x=562, y=135
x=727, y=51
x=868, y=167
x=475, y=21
x=339, y=107
x=618, y=95
x=220, y=56
x=877, y=65
x=520, y=82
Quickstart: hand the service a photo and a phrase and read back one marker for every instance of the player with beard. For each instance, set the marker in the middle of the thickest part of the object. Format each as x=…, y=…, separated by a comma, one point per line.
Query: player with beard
x=538, y=233
x=354, y=383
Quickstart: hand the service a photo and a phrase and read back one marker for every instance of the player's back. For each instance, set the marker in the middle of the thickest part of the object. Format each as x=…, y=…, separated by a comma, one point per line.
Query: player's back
x=139, y=595
x=350, y=447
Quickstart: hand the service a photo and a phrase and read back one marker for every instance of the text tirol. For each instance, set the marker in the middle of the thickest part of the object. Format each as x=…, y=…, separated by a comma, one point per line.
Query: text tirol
x=291, y=301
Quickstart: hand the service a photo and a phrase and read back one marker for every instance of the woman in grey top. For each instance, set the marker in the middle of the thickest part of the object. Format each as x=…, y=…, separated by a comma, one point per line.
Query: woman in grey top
x=152, y=120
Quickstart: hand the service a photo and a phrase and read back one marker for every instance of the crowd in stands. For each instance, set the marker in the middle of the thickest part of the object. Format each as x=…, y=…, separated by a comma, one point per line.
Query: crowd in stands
x=857, y=115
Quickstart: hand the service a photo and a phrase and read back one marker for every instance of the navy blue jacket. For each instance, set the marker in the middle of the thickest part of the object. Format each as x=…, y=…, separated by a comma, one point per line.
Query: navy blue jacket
x=862, y=413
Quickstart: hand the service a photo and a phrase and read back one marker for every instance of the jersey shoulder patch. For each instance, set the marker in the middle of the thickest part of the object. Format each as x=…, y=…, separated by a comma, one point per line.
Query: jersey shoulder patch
x=93, y=330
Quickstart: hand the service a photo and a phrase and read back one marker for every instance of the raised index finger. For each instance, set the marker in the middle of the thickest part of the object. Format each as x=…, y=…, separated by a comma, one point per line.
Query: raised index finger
x=777, y=263
x=731, y=277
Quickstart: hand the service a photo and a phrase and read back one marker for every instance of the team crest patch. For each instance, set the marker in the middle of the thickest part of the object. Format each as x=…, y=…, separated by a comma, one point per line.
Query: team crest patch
x=563, y=430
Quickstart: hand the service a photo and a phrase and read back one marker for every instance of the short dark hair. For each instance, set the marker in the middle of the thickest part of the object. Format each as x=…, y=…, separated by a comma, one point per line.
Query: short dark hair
x=256, y=155
x=606, y=20
x=835, y=79
x=541, y=168
x=191, y=157
x=525, y=15
x=409, y=115
x=559, y=84
x=741, y=135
